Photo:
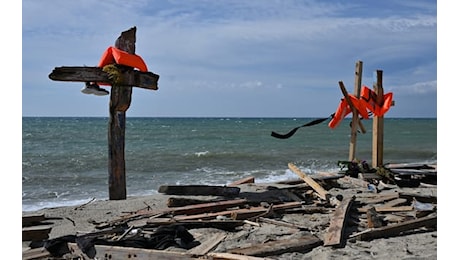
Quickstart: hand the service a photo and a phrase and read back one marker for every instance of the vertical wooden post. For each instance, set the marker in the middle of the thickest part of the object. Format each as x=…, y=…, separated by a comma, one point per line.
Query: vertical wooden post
x=377, y=125
x=355, y=120
x=120, y=100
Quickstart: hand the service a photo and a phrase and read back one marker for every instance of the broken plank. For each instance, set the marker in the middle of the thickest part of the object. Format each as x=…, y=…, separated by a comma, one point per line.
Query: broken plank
x=334, y=234
x=36, y=253
x=199, y=190
x=278, y=247
x=241, y=213
x=209, y=244
x=206, y=207
x=227, y=224
x=118, y=252
x=35, y=233
x=228, y=256
x=147, y=80
x=396, y=229
x=29, y=220
x=281, y=223
x=312, y=183
x=249, y=179
x=180, y=202
x=414, y=171
x=387, y=209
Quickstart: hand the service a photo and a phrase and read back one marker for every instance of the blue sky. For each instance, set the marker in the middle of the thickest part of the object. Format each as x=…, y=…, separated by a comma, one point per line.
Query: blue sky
x=234, y=58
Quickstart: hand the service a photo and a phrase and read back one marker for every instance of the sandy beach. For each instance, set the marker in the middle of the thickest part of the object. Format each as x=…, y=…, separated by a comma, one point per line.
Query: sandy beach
x=415, y=243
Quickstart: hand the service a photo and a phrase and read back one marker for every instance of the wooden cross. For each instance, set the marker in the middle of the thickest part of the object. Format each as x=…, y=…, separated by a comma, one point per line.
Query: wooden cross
x=120, y=100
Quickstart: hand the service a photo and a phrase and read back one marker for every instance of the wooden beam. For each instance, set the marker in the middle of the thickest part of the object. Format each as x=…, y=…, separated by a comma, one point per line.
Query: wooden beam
x=355, y=119
x=377, y=125
x=350, y=104
x=208, y=190
x=211, y=241
x=119, y=252
x=147, y=80
x=228, y=256
x=249, y=179
x=312, y=183
x=335, y=232
x=278, y=247
x=120, y=100
x=396, y=229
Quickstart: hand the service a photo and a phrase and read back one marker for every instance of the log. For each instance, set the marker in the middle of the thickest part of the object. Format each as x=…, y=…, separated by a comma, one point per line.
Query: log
x=199, y=190
x=312, y=183
x=335, y=232
x=146, y=80
x=396, y=229
x=278, y=247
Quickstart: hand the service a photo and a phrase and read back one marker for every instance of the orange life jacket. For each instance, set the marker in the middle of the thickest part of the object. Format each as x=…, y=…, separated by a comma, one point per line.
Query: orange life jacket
x=344, y=109
x=366, y=102
x=115, y=55
x=369, y=98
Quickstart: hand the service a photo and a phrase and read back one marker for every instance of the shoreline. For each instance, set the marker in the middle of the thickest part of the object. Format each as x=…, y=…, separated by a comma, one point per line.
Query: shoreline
x=420, y=243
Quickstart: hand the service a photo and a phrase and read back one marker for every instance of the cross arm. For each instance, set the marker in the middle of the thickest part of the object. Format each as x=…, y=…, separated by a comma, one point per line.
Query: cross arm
x=147, y=80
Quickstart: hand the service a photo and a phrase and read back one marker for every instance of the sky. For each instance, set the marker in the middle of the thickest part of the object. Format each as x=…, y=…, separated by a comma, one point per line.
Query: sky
x=234, y=58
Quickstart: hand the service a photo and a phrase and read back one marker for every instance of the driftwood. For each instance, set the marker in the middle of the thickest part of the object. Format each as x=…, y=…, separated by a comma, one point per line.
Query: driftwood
x=210, y=243
x=118, y=252
x=241, y=213
x=334, y=235
x=249, y=179
x=228, y=256
x=199, y=190
x=35, y=253
x=320, y=190
x=35, y=233
x=303, y=244
x=147, y=80
x=30, y=220
x=396, y=229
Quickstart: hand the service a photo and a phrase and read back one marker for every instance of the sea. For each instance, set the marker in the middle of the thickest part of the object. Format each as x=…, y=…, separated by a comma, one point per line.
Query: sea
x=65, y=159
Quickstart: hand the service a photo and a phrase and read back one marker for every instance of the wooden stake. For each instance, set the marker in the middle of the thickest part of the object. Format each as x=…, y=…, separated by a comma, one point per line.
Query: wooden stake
x=120, y=100
x=377, y=125
x=355, y=120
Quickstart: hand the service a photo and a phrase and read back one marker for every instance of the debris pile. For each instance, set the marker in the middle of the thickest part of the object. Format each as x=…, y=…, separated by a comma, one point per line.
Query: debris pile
x=245, y=220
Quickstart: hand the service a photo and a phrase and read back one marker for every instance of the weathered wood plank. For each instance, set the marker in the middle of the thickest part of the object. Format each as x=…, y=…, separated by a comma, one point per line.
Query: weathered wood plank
x=146, y=80
x=35, y=233
x=335, y=232
x=206, y=207
x=207, y=245
x=35, y=253
x=278, y=247
x=228, y=256
x=318, y=188
x=118, y=252
x=199, y=190
x=396, y=229
x=407, y=172
x=249, y=179
x=241, y=213
x=29, y=220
